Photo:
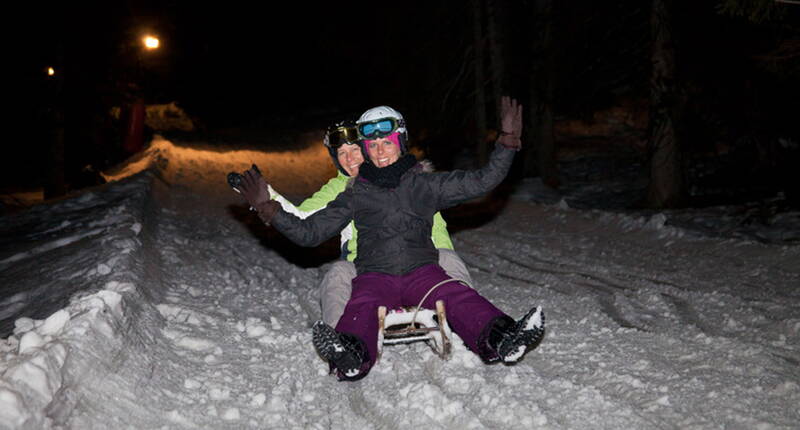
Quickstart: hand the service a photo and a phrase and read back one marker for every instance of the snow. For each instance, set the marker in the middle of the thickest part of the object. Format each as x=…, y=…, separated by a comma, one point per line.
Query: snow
x=158, y=301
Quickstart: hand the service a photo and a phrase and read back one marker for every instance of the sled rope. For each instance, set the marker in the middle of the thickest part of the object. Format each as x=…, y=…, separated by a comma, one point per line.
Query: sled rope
x=416, y=310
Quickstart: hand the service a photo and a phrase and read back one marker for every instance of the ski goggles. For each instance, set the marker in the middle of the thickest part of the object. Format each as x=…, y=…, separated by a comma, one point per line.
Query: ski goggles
x=341, y=135
x=379, y=128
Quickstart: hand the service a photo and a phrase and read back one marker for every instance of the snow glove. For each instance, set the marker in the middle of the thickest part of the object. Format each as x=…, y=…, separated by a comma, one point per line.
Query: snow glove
x=253, y=188
x=510, y=123
x=345, y=353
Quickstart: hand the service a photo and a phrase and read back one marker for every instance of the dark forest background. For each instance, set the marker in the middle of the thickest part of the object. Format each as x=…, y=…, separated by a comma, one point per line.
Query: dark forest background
x=670, y=83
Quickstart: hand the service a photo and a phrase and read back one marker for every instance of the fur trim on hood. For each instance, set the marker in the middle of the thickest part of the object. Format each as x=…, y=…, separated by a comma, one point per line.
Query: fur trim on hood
x=427, y=166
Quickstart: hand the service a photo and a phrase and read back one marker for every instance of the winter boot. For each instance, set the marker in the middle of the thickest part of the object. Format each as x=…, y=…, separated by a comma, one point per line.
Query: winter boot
x=511, y=341
x=344, y=352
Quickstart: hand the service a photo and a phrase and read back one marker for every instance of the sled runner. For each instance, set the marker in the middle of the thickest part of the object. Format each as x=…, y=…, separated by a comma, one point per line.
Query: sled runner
x=413, y=324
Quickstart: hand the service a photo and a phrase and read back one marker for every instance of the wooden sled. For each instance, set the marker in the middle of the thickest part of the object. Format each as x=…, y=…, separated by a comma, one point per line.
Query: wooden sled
x=412, y=324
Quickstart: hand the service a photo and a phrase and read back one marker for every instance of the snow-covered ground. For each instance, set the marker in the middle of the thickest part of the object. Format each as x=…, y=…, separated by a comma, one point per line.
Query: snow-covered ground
x=158, y=301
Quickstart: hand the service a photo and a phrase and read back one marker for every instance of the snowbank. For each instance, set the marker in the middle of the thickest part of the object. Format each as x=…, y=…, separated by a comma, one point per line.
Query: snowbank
x=92, y=242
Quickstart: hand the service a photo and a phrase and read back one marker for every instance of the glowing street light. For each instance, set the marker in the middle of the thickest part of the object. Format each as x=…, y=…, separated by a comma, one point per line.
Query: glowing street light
x=150, y=42
x=51, y=71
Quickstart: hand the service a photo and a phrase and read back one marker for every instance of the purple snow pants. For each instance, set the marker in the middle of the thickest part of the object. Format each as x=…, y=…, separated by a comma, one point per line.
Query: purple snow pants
x=467, y=312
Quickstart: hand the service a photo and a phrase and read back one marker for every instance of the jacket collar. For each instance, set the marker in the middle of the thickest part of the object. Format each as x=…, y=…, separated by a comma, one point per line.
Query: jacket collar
x=389, y=176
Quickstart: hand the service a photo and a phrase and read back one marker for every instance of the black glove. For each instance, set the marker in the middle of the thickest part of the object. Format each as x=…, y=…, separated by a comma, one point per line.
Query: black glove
x=253, y=188
x=235, y=179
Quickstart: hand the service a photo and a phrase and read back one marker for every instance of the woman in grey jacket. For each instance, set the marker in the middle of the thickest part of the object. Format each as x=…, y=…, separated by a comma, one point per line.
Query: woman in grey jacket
x=335, y=288
x=392, y=202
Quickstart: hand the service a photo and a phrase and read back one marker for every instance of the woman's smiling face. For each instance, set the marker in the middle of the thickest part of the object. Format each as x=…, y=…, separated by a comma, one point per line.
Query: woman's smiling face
x=382, y=151
x=350, y=158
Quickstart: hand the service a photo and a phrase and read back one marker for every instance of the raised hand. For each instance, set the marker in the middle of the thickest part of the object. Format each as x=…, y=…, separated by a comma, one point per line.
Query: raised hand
x=510, y=123
x=254, y=189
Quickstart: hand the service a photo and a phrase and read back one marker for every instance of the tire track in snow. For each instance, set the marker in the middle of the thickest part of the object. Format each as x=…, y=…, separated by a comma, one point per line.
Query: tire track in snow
x=689, y=315
x=606, y=293
x=602, y=289
x=610, y=290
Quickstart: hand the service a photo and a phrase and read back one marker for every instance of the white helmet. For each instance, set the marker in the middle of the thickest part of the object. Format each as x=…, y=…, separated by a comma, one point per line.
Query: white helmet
x=381, y=121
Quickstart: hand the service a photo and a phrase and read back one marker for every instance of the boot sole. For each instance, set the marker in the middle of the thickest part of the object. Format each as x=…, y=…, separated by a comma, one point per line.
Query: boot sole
x=326, y=341
x=513, y=349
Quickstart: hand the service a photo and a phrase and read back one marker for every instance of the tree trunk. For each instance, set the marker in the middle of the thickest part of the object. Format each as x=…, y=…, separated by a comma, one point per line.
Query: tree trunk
x=666, y=188
x=481, y=145
x=496, y=25
x=540, y=156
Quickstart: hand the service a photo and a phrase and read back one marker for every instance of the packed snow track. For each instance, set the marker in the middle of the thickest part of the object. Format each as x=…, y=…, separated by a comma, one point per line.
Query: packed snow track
x=159, y=301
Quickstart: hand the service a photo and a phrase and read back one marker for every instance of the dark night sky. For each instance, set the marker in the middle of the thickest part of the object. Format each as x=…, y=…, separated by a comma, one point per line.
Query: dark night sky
x=230, y=58
x=243, y=58
x=302, y=57
x=244, y=63
x=312, y=55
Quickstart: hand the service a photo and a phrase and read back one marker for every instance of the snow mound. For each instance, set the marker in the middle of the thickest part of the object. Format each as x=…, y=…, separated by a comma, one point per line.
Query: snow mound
x=201, y=166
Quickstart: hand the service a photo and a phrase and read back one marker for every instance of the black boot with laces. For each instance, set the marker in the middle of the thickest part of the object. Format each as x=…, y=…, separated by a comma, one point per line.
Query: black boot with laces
x=510, y=341
x=344, y=352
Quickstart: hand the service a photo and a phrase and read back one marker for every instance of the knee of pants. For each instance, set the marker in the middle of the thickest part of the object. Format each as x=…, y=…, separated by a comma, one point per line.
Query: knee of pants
x=456, y=292
x=334, y=290
x=453, y=265
x=340, y=270
x=360, y=315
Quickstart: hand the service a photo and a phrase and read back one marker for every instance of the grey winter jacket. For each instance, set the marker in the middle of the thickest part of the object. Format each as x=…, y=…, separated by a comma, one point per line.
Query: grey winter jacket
x=394, y=225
